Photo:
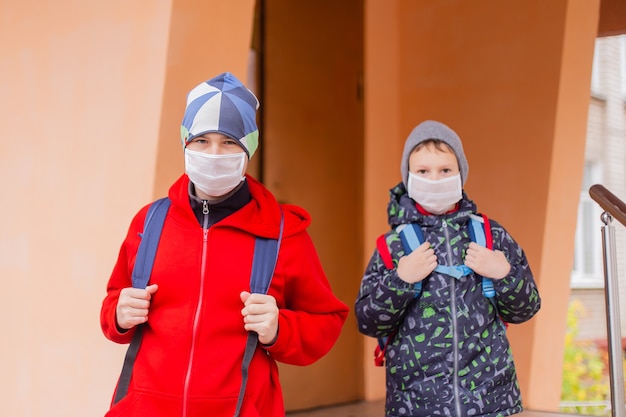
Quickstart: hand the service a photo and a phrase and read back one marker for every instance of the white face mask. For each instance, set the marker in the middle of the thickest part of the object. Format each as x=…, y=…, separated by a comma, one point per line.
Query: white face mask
x=436, y=196
x=215, y=175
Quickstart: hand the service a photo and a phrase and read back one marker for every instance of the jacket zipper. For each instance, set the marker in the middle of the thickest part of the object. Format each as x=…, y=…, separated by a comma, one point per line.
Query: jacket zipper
x=455, y=336
x=196, y=318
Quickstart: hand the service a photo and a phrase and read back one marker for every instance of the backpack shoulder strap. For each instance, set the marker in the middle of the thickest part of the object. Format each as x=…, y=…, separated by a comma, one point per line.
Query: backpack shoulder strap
x=488, y=289
x=383, y=250
x=263, y=265
x=152, y=228
x=411, y=236
x=487, y=230
x=146, y=253
x=480, y=232
x=264, y=261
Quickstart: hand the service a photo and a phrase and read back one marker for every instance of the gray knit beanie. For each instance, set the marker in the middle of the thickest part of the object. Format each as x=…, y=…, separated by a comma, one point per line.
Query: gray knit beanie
x=433, y=130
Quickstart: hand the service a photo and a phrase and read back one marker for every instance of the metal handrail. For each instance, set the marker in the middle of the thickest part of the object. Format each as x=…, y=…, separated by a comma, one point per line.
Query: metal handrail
x=613, y=208
x=609, y=202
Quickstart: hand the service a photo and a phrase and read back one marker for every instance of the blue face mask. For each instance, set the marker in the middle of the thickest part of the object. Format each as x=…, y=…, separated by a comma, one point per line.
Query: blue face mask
x=435, y=196
x=215, y=175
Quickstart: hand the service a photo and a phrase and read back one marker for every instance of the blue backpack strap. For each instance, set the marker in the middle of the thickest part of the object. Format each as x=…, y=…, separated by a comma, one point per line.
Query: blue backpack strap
x=478, y=233
x=412, y=237
x=456, y=271
x=263, y=265
x=152, y=228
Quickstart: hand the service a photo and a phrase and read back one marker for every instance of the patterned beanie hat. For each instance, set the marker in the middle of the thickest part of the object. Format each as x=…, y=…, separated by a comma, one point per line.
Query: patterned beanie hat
x=223, y=105
x=433, y=130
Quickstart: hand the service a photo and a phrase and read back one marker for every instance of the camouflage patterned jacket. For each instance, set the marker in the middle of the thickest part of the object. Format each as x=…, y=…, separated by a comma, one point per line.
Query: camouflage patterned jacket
x=449, y=354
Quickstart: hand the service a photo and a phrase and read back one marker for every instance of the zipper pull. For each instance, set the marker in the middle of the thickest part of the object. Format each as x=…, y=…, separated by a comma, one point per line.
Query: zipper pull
x=205, y=215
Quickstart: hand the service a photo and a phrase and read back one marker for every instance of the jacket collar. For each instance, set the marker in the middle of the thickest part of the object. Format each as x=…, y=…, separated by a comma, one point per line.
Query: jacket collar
x=219, y=210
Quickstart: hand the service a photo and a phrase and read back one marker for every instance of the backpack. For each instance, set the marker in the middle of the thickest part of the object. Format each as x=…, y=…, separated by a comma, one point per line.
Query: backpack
x=411, y=237
x=263, y=264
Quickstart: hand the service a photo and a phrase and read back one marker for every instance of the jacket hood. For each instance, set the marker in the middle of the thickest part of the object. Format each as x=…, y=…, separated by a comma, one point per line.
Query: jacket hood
x=402, y=210
x=259, y=217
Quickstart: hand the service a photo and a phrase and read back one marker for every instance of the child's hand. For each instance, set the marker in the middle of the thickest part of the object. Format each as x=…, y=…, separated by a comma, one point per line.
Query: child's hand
x=486, y=262
x=260, y=315
x=133, y=305
x=417, y=265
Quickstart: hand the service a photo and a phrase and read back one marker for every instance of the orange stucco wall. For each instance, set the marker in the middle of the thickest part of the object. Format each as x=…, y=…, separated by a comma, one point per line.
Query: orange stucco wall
x=312, y=139
x=81, y=92
x=85, y=86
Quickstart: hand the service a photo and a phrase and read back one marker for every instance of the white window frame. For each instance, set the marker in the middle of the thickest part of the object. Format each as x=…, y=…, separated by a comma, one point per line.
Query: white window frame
x=622, y=40
x=596, y=85
x=588, y=269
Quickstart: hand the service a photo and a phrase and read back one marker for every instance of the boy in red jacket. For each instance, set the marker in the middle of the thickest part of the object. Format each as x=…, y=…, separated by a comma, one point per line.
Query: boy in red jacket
x=198, y=309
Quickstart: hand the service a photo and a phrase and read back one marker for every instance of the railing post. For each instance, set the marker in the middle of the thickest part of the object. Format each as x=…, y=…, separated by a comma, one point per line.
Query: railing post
x=611, y=292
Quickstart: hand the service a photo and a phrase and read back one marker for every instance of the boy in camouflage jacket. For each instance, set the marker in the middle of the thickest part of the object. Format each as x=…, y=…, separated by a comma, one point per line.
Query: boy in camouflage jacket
x=448, y=352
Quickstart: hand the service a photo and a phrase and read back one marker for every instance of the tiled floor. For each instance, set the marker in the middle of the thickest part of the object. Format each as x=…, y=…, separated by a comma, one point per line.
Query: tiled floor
x=361, y=409
x=377, y=409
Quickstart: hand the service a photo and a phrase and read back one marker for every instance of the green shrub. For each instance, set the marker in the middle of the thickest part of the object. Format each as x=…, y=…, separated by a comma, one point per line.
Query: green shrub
x=585, y=374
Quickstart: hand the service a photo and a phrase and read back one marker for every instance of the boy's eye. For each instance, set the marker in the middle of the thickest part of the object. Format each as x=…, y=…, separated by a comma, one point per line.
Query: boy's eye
x=421, y=171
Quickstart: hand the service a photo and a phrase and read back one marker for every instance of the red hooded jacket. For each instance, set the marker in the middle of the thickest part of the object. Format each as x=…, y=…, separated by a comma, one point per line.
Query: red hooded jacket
x=189, y=362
